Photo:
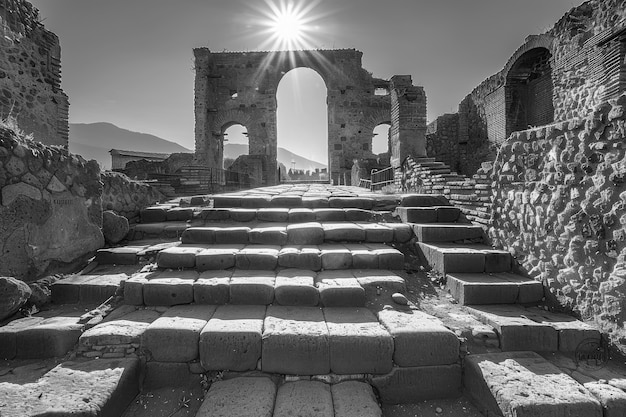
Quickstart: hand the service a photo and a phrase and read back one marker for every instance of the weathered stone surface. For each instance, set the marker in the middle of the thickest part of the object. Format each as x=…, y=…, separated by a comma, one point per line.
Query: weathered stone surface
x=374, y=279
x=217, y=257
x=212, y=287
x=153, y=214
x=245, y=396
x=446, y=232
x=300, y=257
x=51, y=337
x=447, y=258
x=242, y=215
x=178, y=257
x=174, y=336
x=271, y=235
x=408, y=385
x=526, y=385
x=305, y=233
x=304, y=399
x=232, y=338
x=353, y=330
x=423, y=200
x=335, y=256
x=259, y=257
x=13, y=295
x=419, y=339
x=339, y=288
x=232, y=235
x=195, y=235
x=402, y=232
x=329, y=215
x=295, y=341
x=355, y=398
x=100, y=288
x=170, y=375
x=133, y=289
x=273, y=215
x=67, y=290
x=343, y=232
x=301, y=215
x=69, y=389
x=179, y=214
x=114, y=227
x=417, y=214
x=296, y=287
x=496, y=288
x=377, y=232
x=388, y=257
x=613, y=399
x=118, y=256
x=572, y=332
x=123, y=330
x=252, y=287
x=169, y=288
x=11, y=192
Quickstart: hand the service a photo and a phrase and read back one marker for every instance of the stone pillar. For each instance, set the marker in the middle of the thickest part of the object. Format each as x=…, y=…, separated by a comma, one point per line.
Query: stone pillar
x=201, y=93
x=408, y=120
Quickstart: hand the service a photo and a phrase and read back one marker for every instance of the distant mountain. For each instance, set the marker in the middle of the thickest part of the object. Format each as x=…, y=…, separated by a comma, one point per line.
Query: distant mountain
x=95, y=140
x=285, y=157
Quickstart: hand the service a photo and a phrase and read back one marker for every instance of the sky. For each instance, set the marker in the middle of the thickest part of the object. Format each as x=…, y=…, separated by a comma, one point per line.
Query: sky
x=130, y=62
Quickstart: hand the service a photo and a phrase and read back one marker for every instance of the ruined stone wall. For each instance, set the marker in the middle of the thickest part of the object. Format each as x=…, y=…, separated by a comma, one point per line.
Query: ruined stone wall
x=50, y=206
x=560, y=209
x=576, y=65
x=441, y=140
x=240, y=88
x=30, y=74
x=126, y=197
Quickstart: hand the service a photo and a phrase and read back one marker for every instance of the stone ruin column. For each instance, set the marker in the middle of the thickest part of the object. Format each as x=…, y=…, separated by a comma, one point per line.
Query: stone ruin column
x=408, y=120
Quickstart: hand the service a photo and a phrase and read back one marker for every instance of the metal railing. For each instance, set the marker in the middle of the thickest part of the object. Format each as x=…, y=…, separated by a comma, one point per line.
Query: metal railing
x=381, y=178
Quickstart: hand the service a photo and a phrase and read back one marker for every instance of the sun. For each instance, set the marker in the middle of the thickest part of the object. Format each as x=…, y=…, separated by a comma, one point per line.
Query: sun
x=288, y=26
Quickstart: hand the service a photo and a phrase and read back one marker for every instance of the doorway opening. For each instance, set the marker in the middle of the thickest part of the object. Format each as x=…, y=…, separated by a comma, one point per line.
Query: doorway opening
x=380, y=139
x=235, y=143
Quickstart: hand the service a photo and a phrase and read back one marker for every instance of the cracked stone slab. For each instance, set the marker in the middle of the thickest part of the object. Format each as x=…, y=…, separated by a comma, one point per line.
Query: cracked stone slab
x=304, y=399
x=245, y=397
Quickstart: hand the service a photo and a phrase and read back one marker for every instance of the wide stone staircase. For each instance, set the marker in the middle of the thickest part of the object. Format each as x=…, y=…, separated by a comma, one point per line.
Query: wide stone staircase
x=292, y=301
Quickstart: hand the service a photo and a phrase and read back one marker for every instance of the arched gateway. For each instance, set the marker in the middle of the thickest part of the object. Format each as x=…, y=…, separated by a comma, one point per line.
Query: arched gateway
x=240, y=87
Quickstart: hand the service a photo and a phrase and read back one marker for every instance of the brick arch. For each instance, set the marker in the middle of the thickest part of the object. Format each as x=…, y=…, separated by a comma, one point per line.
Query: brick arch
x=532, y=42
x=226, y=119
x=377, y=118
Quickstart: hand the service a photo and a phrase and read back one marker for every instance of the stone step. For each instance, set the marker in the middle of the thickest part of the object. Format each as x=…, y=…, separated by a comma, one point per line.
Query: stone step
x=289, y=286
x=261, y=396
x=448, y=258
x=423, y=200
x=446, y=232
x=525, y=384
x=102, y=387
x=493, y=288
x=269, y=257
x=434, y=214
x=281, y=339
x=311, y=233
x=521, y=328
x=87, y=289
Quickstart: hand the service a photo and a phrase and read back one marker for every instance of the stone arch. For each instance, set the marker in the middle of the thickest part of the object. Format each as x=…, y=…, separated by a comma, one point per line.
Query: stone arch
x=232, y=117
x=528, y=87
x=532, y=42
x=375, y=119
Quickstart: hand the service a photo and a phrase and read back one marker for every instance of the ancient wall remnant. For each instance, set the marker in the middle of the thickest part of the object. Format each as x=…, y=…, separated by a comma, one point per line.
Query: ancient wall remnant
x=240, y=88
x=50, y=206
x=30, y=74
x=556, y=76
x=126, y=197
x=559, y=203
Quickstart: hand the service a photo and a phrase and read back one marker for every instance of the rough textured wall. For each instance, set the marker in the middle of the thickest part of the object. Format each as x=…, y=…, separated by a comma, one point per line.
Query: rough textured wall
x=30, y=74
x=441, y=140
x=556, y=76
x=50, y=206
x=560, y=208
x=407, y=134
x=240, y=88
x=125, y=196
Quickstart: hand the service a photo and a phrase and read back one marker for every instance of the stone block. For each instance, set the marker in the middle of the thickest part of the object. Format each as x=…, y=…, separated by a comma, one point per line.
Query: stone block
x=232, y=338
x=315, y=202
x=8, y=335
x=242, y=215
x=448, y=258
x=355, y=398
x=450, y=232
x=255, y=201
x=217, y=257
x=538, y=387
x=153, y=214
x=372, y=279
x=245, y=396
x=516, y=331
x=212, y=287
x=174, y=336
x=273, y=215
x=357, y=215
x=572, y=332
x=330, y=215
x=295, y=341
x=203, y=235
x=362, y=256
x=351, y=202
x=343, y=232
x=295, y=287
x=232, y=235
x=286, y=201
x=377, y=233
x=67, y=290
x=252, y=287
x=447, y=214
x=301, y=215
x=335, y=257
x=118, y=256
x=272, y=235
x=179, y=214
x=402, y=232
x=100, y=288
x=51, y=337
x=388, y=257
x=123, y=330
x=178, y=257
x=417, y=214
x=353, y=330
x=613, y=399
x=411, y=385
x=215, y=214
x=305, y=234
x=15, y=293
x=419, y=339
x=169, y=288
x=133, y=289
x=300, y=257
x=259, y=257
x=339, y=288
x=499, y=288
x=423, y=200
x=293, y=398
x=227, y=201
x=114, y=227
